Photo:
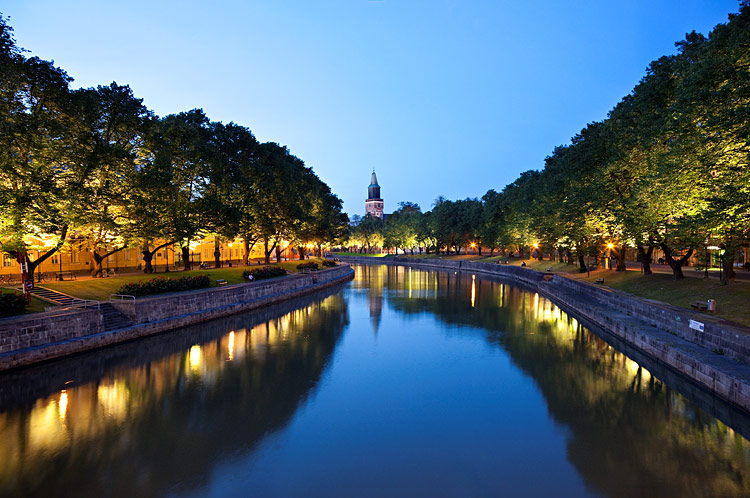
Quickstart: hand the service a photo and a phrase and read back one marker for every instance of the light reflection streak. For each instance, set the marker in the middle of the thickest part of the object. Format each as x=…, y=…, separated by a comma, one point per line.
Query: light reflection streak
x=473, y=289
x=230, y=346
x=63, y=404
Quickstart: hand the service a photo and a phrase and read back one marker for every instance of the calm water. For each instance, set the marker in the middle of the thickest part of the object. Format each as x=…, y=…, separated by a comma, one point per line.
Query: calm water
x=401, y=383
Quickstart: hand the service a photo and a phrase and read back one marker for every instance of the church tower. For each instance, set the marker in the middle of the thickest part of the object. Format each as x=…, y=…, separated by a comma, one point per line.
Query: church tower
x=374, y=204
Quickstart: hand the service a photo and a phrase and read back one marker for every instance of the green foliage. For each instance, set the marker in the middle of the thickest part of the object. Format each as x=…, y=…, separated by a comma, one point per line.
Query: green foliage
x=310, y=265
x=161, y=285
x=12, y=303
x=96, y=164
x=328, y=262
x=263, y=273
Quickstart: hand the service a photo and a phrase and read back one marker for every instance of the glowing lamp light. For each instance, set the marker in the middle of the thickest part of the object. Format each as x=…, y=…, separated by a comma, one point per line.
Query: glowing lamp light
x=473, y=244
x=536, y=246
x=610, y=245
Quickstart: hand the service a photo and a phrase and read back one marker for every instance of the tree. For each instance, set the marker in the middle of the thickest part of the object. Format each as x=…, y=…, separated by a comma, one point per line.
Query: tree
x=109, y=125
x=34, y=147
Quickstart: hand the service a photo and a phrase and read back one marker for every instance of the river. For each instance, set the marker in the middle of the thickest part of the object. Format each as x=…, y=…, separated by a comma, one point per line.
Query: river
x=403, y=382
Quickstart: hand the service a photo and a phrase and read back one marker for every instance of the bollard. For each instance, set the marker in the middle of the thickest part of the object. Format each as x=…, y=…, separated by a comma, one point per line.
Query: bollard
x=711, y=305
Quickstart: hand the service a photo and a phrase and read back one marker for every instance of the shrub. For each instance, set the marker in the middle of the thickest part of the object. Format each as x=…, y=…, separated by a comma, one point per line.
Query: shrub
x=262, y=273
x=160, y=285
x=312, y=265
x=12, y=303
x=329, y=262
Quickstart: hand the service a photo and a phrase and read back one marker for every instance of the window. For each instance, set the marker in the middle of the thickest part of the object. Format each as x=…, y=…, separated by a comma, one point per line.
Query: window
x=7, y=260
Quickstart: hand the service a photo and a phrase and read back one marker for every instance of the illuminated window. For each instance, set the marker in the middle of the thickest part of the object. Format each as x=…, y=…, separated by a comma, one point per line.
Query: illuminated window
x=7, y=260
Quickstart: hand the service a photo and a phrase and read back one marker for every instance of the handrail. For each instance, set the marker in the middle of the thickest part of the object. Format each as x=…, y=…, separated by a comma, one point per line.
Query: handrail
x=85, y=303
x=121, y=297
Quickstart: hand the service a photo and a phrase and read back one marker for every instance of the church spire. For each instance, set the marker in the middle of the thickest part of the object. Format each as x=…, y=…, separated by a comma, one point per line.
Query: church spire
x=374, y=204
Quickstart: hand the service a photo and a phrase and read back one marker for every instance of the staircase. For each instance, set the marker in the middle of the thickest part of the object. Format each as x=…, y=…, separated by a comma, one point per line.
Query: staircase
x=54, y=297
x=112, y=318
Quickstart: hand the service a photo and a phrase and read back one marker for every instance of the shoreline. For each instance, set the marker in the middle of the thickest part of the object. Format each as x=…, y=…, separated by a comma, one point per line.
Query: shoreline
x=36, y=338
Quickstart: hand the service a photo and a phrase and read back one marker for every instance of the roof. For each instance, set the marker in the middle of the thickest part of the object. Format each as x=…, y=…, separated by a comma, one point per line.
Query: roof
x=374, y=180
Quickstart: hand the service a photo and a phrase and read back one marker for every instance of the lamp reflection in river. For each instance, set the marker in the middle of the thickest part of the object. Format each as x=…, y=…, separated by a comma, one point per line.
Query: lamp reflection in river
x=194, y=358
x=63, y=404
x=230, y=346
x=473, y=289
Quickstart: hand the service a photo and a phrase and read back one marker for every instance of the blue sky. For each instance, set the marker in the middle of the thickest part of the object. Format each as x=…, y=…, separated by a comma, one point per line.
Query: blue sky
x=441, y=97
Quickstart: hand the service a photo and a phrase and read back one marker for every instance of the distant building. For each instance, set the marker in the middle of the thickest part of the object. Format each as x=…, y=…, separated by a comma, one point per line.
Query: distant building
x=374, y=204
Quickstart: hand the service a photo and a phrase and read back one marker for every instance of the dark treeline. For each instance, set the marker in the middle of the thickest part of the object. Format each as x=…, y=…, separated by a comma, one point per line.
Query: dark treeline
x=95, y=168
x=667, y=169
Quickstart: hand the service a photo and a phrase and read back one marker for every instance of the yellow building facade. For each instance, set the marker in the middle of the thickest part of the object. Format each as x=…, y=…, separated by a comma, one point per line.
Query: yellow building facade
x=77, y=259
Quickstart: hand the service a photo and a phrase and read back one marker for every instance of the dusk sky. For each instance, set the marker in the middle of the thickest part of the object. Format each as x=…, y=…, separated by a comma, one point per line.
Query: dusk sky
x=440, y=97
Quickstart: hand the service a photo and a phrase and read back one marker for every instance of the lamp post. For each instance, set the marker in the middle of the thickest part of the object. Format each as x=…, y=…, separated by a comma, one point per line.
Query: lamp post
x=610, y=245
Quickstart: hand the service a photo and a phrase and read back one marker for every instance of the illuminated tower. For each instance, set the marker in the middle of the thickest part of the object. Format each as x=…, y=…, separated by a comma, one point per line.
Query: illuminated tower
x=374, y=204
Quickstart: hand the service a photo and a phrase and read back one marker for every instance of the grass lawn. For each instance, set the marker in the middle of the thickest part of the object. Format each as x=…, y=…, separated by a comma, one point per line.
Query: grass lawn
x=731, y=300
x=101, y=288
x=364, y=255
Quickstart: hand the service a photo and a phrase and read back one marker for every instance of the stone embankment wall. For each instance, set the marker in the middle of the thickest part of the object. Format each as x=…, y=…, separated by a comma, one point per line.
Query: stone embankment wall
x=716, y=358
x=42, y=336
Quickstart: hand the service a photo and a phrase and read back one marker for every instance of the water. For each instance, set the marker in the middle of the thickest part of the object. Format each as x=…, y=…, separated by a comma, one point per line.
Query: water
x=401, y=383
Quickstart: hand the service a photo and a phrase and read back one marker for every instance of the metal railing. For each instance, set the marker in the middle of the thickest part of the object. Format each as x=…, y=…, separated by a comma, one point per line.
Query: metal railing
x=85, y=303
x=121, y=297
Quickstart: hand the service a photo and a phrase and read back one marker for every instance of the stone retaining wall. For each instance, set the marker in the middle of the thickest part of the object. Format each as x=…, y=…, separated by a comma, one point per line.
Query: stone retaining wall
x=38, y=337
x=716, y=358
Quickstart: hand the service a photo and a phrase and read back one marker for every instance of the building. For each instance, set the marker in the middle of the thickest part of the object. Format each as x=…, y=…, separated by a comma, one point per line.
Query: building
x=374, y=204
x=75, y=257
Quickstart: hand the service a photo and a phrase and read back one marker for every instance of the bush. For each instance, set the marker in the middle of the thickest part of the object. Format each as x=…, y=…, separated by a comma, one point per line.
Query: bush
x=329, y=262
x=262, y=273
x=160, y=285
x=312, y=265
x=12, y=303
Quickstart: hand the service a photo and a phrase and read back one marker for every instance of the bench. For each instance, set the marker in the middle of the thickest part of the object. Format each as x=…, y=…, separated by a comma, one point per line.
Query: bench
x=600, y=280
x=700, y=305
x=221, y=281
x=62, y=274
x=548, y=276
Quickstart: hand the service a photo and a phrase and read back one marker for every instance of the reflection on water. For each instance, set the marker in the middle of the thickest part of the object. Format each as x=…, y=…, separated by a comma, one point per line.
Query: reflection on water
x=473, y=360
x=630, y=433
x=144, y=428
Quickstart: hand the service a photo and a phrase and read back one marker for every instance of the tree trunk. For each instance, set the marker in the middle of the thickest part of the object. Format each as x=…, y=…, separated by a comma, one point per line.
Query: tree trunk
x=620, y=254
x=675, y=264
x=267, y=252
x=217, y=253
x=581, y=262
x=568, y=256
x=644, y=257
x=186, y=263
x=727, y=264
x=148, y=256
x=96, y=267
x=278, y=253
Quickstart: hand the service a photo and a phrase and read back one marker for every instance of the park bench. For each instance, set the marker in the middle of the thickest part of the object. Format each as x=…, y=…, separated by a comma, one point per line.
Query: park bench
x=62, y=275
x=600, y=280
x=221, y=281
x=700, y=305
x=548, y=276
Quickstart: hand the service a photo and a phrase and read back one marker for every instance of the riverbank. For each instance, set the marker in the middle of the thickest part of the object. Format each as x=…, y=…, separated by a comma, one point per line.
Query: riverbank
x=30, y=339
x=711, y=352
